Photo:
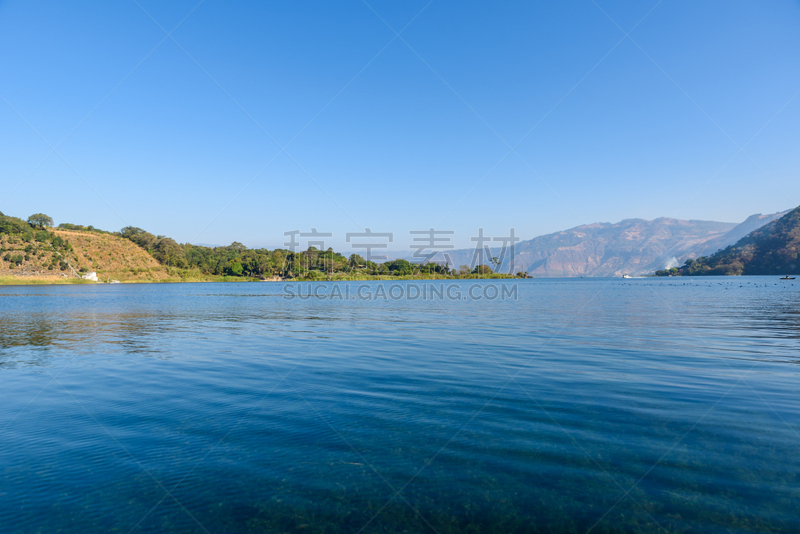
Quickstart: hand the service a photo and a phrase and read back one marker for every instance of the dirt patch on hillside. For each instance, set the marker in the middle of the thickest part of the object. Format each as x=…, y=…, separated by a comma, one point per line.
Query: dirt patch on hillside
x=112, y=257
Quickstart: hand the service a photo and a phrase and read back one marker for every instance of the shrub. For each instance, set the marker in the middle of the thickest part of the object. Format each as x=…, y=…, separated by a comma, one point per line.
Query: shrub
x=13, y=225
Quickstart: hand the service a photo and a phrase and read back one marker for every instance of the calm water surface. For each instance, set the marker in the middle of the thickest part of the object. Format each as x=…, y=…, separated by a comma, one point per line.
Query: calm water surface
x=654, y=405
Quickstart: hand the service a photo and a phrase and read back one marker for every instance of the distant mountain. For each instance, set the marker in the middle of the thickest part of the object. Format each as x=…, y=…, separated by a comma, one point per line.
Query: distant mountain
x=771, y=249
x=750, y=224
x=633, y=246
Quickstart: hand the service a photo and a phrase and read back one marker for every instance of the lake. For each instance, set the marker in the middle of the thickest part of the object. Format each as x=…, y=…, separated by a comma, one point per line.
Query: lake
x=555, y=405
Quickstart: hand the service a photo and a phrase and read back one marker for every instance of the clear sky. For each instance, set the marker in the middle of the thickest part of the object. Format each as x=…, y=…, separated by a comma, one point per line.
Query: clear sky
x=256, y=118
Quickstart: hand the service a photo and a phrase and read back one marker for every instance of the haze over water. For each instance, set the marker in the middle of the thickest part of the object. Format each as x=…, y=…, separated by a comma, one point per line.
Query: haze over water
x=601, y=405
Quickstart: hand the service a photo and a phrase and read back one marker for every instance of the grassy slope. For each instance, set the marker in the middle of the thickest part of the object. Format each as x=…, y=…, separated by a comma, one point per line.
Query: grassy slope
x=110, y=256
x=113, y=257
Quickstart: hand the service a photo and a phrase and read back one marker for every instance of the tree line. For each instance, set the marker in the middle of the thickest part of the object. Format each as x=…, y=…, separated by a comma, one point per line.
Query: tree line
x=238, y=260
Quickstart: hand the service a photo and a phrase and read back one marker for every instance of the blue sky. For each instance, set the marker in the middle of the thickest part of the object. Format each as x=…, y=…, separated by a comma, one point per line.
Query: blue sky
x=691, y=116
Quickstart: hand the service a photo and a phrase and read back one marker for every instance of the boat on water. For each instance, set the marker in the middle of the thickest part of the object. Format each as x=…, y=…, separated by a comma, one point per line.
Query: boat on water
x=626, y=276
x=787, y=277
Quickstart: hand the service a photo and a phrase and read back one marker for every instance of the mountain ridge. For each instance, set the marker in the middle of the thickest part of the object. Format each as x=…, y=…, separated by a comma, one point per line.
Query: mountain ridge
x=631, y=246
x=750, y=224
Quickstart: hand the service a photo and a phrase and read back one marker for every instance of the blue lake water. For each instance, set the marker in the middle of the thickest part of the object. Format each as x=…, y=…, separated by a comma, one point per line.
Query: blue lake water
x=652, y=405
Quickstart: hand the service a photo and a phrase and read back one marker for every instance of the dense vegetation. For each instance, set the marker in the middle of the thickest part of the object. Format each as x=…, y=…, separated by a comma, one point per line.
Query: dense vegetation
x=771, y=249
x=20, y=239
x=238, y=260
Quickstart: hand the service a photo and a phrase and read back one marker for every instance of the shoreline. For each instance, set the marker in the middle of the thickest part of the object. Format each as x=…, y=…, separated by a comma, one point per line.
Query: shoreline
x=32, y=281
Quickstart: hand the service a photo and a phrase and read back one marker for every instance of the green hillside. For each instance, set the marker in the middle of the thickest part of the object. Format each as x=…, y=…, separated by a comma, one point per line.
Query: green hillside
x=770, y=250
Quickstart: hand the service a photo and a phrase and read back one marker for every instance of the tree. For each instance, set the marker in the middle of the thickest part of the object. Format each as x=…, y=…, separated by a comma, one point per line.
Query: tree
x=464, y=270
x=40, y=219
x=169, y=252
x=482, y=269
x=262, y=264
x=235, y=268
x=400, y=267
x=13, y=225
x=130, y=231
x=278, y=261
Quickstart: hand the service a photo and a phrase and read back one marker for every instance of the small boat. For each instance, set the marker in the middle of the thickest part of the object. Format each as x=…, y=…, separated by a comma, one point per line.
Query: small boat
x=626, y=276
x=787, y=277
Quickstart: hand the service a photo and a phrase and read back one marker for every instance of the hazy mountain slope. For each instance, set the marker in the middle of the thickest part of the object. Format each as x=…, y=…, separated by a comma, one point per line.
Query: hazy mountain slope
x=750, y=224
x=633, y=246
x=771, y=249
